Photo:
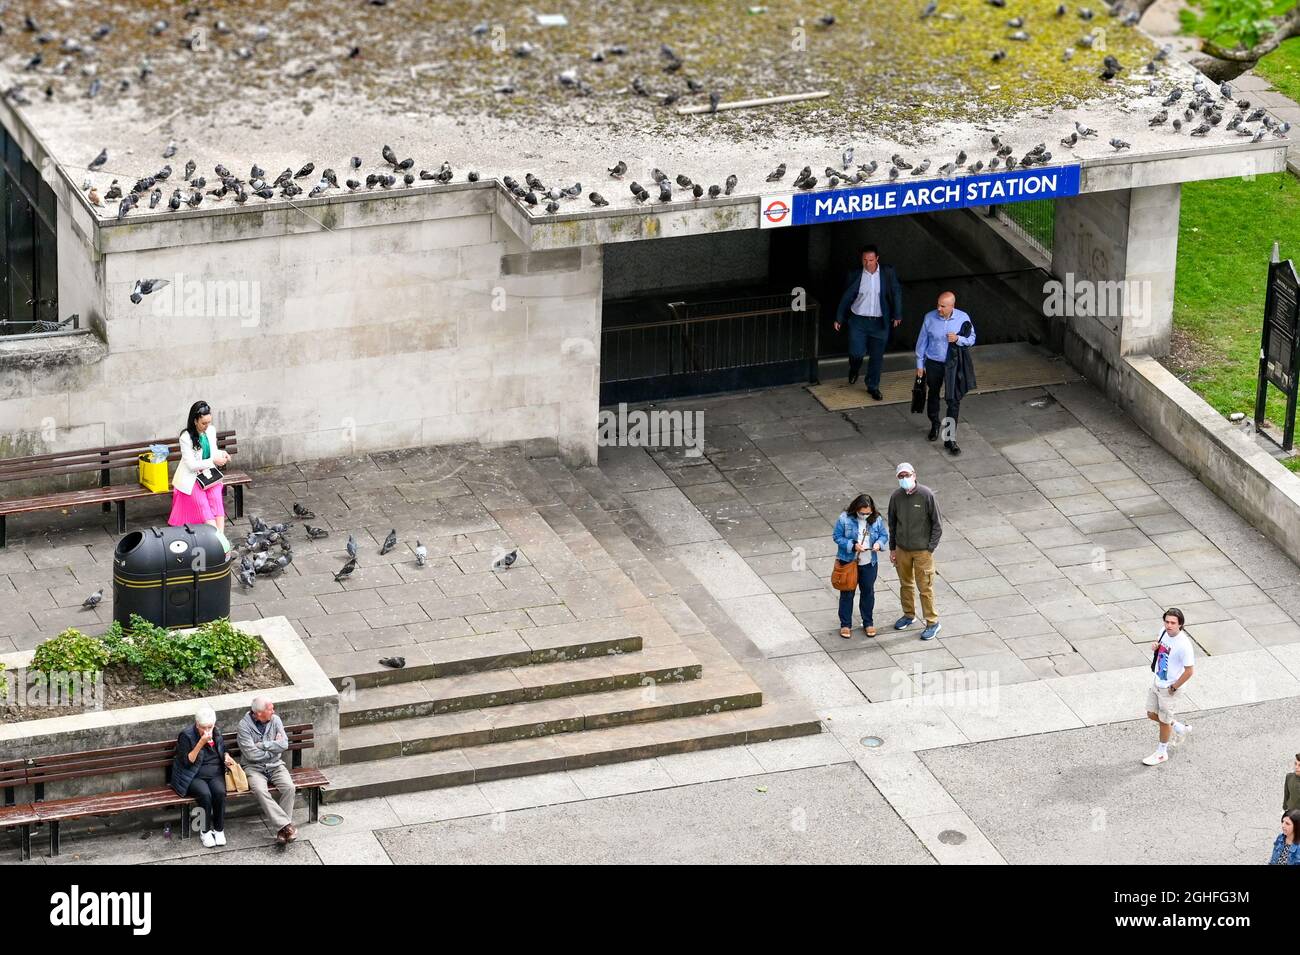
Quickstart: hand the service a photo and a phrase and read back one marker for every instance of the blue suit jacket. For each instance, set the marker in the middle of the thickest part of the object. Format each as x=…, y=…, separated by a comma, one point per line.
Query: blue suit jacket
x=891, y=299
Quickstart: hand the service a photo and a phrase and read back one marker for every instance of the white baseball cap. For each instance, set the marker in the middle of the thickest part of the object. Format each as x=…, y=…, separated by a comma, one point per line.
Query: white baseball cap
x=904, y=467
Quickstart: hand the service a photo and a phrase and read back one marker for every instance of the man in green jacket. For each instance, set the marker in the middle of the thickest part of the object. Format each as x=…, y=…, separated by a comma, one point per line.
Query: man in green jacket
x=914, y=531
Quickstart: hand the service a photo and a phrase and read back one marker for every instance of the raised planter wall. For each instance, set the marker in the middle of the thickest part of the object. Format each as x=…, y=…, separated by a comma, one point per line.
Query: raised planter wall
x=309, y=697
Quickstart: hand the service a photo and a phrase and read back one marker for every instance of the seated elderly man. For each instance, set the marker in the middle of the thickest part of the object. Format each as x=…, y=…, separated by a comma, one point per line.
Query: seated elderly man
x=262, y=744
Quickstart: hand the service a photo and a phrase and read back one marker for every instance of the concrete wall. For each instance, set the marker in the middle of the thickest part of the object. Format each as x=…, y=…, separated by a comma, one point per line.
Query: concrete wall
x=329, y=341
x=689, y=262
x=1126, y=240
x=1224, y=459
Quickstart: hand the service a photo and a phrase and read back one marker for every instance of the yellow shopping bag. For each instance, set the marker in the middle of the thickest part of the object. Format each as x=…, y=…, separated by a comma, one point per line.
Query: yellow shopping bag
x=153, y=476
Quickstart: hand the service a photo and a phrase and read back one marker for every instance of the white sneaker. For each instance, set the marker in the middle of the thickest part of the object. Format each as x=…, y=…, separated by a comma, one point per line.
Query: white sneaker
x=1178, y=737
x=1155, y=759
x=220, y=837
x=209, y=839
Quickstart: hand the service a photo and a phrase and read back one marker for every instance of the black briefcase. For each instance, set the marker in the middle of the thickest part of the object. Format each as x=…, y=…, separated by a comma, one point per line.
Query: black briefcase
x=918, y=395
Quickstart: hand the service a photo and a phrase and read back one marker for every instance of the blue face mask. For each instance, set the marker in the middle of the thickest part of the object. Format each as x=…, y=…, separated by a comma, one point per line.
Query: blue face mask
x=907, y=483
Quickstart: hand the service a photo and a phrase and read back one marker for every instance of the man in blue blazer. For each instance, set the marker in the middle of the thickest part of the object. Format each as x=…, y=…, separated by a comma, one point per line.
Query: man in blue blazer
x=872, y=305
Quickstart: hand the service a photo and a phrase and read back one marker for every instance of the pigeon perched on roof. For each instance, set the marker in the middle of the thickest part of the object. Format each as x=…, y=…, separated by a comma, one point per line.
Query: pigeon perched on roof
x=730, y=185
x=617, y=170
x=777, y=174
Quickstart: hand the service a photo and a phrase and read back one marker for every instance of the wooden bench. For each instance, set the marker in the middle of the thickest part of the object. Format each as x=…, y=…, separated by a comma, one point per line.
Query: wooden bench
x=13, y=814
x=104, y=460
x=40, y=771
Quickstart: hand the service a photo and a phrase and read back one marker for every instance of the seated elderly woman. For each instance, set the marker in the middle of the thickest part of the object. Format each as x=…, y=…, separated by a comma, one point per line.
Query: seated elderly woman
x=199, y=770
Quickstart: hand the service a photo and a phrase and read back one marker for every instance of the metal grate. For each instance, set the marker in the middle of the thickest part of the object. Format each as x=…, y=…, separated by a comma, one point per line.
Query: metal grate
x=1034, y=220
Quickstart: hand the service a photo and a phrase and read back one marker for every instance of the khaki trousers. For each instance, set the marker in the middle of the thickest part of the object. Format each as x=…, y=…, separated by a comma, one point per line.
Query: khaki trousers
x=278, y=814
x=916, y=568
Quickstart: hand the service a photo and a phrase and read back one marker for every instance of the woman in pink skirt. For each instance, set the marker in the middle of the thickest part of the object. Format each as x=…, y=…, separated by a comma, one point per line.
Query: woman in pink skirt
x=192, y=503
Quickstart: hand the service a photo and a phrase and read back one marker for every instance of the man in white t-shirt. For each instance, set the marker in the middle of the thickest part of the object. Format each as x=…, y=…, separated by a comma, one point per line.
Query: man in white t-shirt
x=1173, y=659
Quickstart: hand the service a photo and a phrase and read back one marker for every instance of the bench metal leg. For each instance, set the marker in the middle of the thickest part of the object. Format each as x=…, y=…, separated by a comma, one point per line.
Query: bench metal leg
x=313, y=804
x=54, y=838
x=186, y=831
x=121, y=516
x=24, y=843
x=239, y=501
x=2, y=531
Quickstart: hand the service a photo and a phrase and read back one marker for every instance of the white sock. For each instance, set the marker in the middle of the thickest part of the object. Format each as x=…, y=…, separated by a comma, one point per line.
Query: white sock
x=1180, y=728
x=1162, y=749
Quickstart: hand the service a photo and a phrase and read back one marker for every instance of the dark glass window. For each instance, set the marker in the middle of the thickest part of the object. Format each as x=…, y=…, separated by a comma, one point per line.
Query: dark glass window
x=29, y=285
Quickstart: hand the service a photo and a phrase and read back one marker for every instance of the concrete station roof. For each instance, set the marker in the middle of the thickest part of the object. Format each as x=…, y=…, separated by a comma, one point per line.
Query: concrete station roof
x=487, y=87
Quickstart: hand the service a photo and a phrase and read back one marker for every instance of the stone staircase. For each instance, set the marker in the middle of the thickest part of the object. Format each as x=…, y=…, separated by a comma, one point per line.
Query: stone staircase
x=629, y=685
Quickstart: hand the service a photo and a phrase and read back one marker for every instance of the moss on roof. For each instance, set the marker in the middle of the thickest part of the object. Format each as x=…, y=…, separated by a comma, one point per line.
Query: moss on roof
x=881, y=62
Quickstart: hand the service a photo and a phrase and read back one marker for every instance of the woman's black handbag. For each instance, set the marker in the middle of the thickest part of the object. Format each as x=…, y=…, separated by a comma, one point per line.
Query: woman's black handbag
x=918, y=395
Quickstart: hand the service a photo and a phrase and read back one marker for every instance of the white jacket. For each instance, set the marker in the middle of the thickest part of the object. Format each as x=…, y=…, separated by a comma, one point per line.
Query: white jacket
x=192, y=460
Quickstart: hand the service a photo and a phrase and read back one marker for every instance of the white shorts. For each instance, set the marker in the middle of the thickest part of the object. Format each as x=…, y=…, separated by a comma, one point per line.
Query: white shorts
x=1161, y=702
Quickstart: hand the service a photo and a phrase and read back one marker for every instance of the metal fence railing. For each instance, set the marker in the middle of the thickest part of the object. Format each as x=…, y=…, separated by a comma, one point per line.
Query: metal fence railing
x=1033, y=220
x=39, y=327
x=708, y=346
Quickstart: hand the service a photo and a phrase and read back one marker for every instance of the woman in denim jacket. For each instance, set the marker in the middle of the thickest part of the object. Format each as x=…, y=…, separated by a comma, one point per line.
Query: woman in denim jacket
x=860, y=534
x=1284, y=852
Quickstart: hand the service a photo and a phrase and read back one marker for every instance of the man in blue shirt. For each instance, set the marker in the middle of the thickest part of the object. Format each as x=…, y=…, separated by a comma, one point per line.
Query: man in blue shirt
x=943, y=328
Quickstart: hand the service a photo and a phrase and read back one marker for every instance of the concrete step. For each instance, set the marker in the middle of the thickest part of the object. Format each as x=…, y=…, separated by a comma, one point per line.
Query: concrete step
x=573, y=714
x=501, y=687
x=564, y=751
x=477, y=653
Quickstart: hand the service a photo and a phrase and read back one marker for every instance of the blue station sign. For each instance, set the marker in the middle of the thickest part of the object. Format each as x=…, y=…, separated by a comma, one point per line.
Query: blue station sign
x=923, y=195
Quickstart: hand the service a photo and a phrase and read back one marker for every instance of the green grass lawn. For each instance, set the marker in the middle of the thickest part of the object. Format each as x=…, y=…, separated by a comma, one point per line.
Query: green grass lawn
x=1282, y=68
x=1226, y=233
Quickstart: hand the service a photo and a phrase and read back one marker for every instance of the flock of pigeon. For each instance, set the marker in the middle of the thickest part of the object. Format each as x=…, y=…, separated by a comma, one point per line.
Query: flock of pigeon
x=1201, y=113
x=267, y=551
x=256, y=555
x=190, y=193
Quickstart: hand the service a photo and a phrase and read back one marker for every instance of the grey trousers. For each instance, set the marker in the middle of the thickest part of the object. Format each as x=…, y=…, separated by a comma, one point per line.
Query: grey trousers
x=278, y=814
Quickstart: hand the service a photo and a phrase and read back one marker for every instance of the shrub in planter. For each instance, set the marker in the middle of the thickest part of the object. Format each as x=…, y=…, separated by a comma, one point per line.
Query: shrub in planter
x=70, y=652
x=123, y=649
x=213, y=651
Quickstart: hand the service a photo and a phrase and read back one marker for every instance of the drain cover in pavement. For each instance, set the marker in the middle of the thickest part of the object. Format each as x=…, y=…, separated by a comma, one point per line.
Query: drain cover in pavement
x=331, y=819
x=951, y=837
x=872, y=741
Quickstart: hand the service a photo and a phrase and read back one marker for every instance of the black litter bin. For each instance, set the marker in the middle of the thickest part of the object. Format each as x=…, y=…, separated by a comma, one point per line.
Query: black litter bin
x=171, y=576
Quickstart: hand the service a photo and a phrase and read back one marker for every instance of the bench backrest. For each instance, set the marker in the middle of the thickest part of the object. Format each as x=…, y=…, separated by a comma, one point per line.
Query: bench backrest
x=59, y=767
x=13, y=772
x=97, y=459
